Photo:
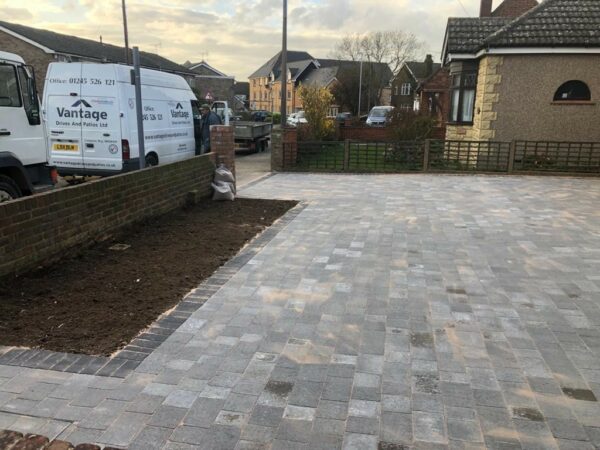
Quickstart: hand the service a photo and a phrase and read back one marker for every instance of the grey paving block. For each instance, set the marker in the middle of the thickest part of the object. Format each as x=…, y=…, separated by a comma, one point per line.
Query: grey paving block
x=396, y=428
x=167, y=417
x=267, y=416
x=362, y=425
x=294, y=430
x=195, y=436
x=353, y=441
x=151, y=438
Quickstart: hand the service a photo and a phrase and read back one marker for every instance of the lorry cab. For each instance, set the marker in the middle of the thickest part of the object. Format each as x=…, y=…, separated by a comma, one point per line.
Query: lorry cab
x=23, y=150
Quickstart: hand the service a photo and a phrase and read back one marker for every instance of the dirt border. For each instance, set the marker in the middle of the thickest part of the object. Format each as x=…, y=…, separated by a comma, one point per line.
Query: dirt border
x=129, y=358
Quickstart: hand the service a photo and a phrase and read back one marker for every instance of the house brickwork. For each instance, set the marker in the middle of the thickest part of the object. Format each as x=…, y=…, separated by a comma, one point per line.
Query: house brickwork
x=219, y=88
x=32, y=55
x=514, y=8
x=486, y=97
x=434, y=100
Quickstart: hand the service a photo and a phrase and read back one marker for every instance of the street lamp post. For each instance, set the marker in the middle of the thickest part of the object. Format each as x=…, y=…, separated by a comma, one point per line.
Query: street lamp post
x=125, y=32
x=284, y=67
x=360, y=87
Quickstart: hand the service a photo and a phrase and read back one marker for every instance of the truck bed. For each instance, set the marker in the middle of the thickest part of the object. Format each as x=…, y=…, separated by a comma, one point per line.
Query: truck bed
x=245, y=130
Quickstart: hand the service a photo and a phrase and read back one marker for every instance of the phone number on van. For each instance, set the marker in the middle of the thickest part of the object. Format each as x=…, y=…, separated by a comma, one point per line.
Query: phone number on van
x=93, y=81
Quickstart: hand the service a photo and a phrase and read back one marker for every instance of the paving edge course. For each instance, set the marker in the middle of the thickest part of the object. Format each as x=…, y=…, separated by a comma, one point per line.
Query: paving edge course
x=130, y=357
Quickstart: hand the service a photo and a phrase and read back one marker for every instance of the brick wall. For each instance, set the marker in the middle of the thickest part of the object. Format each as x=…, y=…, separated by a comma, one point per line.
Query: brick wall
x=35, y=230
x=31, y=54
x=362, y=133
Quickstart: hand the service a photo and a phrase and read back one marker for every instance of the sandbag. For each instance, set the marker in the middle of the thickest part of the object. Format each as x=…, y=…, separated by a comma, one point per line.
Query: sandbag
x=223, y=174
x=223, y=192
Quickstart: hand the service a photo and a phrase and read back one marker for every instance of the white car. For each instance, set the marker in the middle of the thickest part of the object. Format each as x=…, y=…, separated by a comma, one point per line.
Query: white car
x=379, y=116
x=296, y=118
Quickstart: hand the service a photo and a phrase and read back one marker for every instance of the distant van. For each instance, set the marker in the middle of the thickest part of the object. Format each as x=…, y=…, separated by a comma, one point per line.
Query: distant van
x=91, y=124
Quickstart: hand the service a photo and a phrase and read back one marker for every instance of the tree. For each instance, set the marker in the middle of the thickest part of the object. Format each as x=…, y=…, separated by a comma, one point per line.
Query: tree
x=388, y=47
x=316, y=102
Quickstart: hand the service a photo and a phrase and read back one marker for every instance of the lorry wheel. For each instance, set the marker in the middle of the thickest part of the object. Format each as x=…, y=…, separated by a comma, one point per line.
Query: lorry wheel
x=151, y=160
x=8, y=189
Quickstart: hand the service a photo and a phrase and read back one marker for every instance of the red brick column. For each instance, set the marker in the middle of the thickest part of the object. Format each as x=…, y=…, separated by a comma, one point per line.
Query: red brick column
x=290, y=147
x=222, y=144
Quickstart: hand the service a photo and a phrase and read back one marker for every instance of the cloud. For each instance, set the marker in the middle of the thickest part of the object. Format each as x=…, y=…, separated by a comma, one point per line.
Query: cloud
x=15, y=14
x=237, y=36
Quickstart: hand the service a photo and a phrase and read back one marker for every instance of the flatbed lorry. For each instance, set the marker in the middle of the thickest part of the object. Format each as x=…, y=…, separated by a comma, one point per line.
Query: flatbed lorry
x=248, y=135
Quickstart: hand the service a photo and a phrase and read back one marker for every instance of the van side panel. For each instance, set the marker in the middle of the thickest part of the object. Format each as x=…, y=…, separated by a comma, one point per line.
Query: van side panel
x=101, y=129
x=168, y=123
x=103, y=114
x=63, y=109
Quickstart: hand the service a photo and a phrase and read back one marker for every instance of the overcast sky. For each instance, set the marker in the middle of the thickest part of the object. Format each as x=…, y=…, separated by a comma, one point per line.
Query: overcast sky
x=237, y=36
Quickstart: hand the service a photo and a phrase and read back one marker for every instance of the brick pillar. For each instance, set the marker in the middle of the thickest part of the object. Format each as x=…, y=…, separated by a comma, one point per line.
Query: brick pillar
x=284, y=148
x=222, y=144
x=290, y=146
x=276, y=148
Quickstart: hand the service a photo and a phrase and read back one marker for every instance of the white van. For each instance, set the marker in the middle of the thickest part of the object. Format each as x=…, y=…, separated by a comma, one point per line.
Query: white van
x=90, y=117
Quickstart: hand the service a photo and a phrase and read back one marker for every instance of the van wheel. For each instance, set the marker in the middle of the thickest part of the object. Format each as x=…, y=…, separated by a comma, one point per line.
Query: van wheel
x=8, y=189
x=151, y=160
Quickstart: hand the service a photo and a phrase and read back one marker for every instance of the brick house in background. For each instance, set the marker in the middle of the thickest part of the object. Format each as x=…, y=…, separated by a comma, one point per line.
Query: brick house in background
x=530, y=78
x=433, y=96
x=406, y=81
x=211, y=84
x=41, y=47
x=266, y=82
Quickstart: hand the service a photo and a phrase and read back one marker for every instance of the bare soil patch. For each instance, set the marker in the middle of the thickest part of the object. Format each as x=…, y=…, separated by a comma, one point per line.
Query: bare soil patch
x=96, y=301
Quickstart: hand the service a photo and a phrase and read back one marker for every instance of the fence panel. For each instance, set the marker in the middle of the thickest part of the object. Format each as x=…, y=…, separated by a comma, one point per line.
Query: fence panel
x=476, y=156
x=583, y=157
x=320, y=156
x=403, y=156
x=442, y=156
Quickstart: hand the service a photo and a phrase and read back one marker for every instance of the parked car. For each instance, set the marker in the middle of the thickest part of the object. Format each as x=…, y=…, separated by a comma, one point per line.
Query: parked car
x=379, y=116
x=259, y=116
x=342, y=117
x=296, y=118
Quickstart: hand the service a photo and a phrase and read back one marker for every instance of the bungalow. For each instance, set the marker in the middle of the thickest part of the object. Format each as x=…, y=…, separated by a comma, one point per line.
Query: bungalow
x=534, y=77
x=41, y=47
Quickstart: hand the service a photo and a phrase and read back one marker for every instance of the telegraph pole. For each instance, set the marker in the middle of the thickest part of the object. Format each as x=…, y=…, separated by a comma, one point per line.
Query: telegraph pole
x=126, y=33
x=360, y=88
x=284, y=68
x=137, y=81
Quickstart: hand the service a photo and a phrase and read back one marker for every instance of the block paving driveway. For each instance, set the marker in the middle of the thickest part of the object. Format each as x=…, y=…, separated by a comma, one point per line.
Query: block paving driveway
x=394, y=312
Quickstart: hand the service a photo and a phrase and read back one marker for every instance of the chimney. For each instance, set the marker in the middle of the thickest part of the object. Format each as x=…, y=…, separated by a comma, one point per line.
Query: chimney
x=486, y=8
x=428, y=66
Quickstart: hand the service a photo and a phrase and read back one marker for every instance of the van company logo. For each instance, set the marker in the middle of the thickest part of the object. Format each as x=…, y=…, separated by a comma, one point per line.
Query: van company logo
x=80, y=103
x=179, y=113
x=81, y=113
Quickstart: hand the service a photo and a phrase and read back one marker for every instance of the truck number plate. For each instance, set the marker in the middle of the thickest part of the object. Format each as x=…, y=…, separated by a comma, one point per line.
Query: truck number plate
x=66, y=147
